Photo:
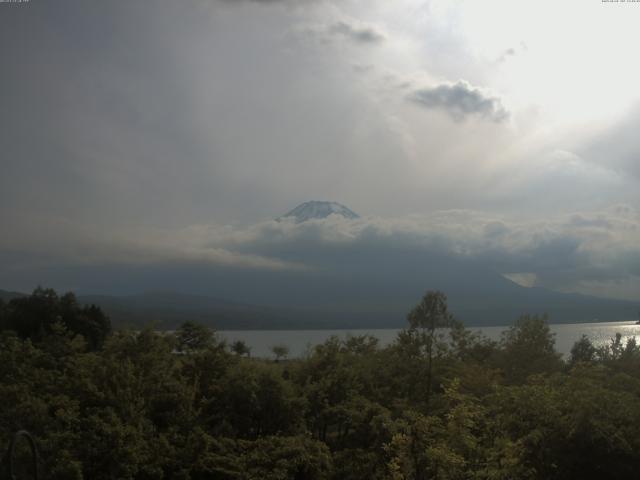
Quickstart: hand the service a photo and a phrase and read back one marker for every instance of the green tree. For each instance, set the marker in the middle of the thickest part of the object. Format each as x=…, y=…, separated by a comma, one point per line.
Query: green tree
x=257, y=401
x=583, y=351
x=280, y=351
x=528, y=347
x=240, y=348
x=2, y=315
x=194, y=337
x=430, y=314
x=361, y=344
x=34, y=317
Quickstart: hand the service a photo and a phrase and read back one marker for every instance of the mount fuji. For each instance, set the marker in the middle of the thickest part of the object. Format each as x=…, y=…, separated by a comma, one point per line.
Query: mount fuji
x=315, y=210
x=364, y=284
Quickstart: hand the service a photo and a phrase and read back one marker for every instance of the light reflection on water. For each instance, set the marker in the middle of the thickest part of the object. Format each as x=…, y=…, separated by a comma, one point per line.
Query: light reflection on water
x=299, y=341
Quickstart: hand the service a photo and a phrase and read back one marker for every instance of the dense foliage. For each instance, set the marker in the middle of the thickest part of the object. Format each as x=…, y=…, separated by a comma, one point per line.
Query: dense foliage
x=44, y=312
x=435, y=404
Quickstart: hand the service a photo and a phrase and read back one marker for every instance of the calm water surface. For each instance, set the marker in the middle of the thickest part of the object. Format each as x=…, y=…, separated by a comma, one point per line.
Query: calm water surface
x=300, y=341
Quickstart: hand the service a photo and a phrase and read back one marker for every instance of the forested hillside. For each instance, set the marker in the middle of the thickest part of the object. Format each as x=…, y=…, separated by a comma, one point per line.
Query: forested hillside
x=436, y=404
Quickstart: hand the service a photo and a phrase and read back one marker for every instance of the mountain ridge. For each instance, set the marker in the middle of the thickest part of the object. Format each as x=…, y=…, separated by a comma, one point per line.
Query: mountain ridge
x=167, y=310
x=317, y=210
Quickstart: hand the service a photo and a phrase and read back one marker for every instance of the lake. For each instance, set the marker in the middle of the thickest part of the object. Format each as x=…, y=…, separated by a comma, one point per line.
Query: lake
x=299, y=341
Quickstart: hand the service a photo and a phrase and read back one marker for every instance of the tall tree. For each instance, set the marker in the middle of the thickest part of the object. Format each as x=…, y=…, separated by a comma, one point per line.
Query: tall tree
x=194, y=337
x=582, y=351
x=529, y=348
x=424, y=319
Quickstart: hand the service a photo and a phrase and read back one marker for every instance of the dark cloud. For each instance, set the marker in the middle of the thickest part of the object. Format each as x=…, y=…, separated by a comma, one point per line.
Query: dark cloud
x=460, y=100
x=359, y=34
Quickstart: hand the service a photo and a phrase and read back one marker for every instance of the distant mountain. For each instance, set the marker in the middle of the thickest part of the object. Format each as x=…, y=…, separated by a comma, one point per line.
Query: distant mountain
x=475, y=301
x=167, y=310
x=370, y=285
x=495, y=304
x=319, y=210
x=7, y=295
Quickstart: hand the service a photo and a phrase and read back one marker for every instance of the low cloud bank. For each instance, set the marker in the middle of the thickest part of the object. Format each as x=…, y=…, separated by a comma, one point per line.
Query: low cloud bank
x=591, y=252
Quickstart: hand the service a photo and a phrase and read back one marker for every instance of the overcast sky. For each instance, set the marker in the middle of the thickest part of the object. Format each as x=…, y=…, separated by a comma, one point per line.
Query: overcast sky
x=158, y=132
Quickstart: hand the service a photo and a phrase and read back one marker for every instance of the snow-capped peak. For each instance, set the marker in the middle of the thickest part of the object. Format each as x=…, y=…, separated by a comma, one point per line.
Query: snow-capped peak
x=318, y=210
